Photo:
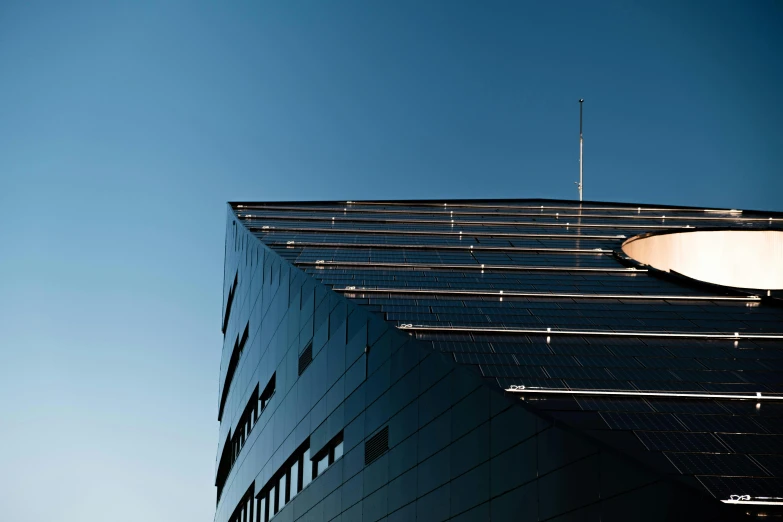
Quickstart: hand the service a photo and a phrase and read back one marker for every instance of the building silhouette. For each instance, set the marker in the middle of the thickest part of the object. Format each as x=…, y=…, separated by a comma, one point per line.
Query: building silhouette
x=494, y=360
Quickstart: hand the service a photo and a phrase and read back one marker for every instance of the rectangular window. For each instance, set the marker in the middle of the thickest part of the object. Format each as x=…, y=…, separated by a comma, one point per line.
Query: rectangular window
x=229, y=301
x=323, y=463
x=295, y=480
x=261, y=510
x=243, y=340
x=338, y=450
x=281, y=493
x=332, y=451
x=266, y=395
x=307, y=469
x=272, y=501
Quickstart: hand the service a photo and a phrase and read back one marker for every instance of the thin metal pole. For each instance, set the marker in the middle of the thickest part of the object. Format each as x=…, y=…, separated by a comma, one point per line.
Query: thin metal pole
x=581, y=146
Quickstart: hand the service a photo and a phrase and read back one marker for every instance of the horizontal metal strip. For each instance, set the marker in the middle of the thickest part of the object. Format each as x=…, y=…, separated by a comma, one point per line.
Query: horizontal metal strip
x=625, y=393
x=426, y=266
x=465, y=223
x=755, y=502
x=541, y=213
x=381, y=232
x=594, y=333
x=468, y=248
x=503, y=293
x=575, y=206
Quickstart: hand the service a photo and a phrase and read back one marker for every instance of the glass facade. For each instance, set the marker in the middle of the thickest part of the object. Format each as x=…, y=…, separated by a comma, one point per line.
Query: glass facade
x=490, y=360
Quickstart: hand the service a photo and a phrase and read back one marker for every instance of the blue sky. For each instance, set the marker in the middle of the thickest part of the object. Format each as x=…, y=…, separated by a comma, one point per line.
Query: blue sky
x=126, y=126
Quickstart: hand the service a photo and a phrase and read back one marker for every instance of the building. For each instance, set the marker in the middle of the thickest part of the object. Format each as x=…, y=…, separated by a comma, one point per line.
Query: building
x=498, y=360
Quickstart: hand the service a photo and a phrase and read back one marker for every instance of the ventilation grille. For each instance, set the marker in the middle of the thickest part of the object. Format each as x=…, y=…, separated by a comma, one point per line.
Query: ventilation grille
x=376, y=446
x=306, y=358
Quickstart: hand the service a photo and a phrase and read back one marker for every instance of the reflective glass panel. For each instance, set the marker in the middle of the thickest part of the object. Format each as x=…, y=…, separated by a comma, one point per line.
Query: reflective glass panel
x=338, y=450
x=261, y=505
x=307, y=468
x=323, y=464
x=281, y=493
x=295, y=479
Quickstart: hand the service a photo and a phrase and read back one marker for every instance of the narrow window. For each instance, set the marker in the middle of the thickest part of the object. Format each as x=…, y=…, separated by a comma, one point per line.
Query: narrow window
x=323, y=463
x=269, y=390
x=281, y=493
x=272, y=501
x=338, y=450
x=294, y=479
x=261, y=505
x=243, y=342
x=307, y=469
x=229, y=301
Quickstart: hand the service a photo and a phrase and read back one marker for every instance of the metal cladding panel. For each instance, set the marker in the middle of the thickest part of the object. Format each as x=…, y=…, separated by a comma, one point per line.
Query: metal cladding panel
x=626, y=370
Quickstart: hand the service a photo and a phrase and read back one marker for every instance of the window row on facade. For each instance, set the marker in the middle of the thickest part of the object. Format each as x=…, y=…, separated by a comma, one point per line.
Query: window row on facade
x=249, y=418
x=233, y=363
x=299, y=470
x=247, y=421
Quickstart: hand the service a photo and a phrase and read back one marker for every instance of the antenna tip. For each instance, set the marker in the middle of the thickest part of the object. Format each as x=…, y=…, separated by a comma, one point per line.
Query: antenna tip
x=580, y=101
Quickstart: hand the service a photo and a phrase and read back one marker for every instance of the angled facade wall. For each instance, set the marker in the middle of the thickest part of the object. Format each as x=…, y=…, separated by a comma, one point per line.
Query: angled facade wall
x=358, y=420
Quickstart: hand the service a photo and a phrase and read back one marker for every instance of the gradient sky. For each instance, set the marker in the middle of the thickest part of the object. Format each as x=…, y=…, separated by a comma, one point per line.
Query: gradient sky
x=126, y=126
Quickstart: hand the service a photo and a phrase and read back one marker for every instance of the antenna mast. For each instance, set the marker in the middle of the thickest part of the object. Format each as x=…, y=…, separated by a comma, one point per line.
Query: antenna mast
x=581, y=146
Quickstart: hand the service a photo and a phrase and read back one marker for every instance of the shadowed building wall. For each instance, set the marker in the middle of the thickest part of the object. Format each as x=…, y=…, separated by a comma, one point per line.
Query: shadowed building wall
x=369, y=346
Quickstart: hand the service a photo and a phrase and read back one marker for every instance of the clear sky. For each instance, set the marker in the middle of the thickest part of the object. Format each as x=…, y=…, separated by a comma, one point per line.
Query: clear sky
x=126, y=126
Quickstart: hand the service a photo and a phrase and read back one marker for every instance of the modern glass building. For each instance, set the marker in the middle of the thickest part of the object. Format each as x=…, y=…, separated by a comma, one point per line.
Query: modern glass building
x=504, y=360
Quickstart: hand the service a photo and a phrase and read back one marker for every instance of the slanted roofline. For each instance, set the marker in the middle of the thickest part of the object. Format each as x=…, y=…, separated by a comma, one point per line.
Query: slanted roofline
x=495, y=201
